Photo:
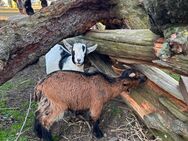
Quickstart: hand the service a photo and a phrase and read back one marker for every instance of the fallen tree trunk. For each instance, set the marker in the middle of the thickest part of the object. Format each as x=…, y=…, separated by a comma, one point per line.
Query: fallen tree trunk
x=158, y=102
x=164, y=114
x=183, y=85
x=134, y=47
x=24, y=40
x=129, y=14
x=166, y=13
x=161, y=79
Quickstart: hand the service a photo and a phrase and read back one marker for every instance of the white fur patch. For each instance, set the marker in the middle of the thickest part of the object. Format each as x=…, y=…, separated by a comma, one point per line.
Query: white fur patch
x=52, y=59
x=59, y=117
x=69, y=65
x=79, y=53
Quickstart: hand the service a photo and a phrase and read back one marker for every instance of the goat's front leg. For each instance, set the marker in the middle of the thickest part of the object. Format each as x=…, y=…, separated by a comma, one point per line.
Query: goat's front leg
x=95, y=114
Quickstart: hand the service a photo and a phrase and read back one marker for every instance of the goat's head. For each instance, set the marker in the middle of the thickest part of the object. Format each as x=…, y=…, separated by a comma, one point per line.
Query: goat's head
x=79, y=51
x=131, y=78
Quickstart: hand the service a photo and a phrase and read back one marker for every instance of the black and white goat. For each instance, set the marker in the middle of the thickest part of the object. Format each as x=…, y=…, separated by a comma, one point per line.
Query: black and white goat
x=69, y=58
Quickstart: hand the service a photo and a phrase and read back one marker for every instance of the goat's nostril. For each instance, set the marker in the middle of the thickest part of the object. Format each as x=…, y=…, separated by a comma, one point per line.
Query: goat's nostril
x=78, y=60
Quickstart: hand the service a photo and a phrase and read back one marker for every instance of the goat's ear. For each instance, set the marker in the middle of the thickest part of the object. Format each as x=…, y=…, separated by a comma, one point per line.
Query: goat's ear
x=128, y=73
x=67, y=45
x=91, y=49
x=65, y=49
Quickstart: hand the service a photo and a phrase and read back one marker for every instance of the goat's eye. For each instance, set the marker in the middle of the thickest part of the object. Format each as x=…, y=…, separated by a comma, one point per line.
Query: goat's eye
x=125, y=84
x=83, y=48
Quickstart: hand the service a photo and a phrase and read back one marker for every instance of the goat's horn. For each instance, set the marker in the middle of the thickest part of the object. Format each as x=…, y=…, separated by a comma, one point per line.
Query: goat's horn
x=91, y=48
x=67, y=45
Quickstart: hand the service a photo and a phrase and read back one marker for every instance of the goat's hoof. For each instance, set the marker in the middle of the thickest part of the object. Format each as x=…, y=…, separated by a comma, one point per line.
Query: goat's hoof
x=41, y=131
x=98, y=134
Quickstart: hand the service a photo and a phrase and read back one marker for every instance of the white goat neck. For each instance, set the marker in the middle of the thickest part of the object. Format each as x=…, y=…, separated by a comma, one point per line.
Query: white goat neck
x=69, y=65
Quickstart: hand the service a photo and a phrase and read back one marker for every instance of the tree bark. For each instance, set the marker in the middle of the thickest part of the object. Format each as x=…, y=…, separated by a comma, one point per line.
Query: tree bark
x=166, y=115
x=158, y=102
x=129, y=14
x=23, y=41
x=166, y=13
x=135, y=47
x=183, y=85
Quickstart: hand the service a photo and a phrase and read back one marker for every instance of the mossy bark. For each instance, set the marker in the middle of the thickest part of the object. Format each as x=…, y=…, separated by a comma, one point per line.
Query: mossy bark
x=166, y=13
x=134, y=47
x=23, y=41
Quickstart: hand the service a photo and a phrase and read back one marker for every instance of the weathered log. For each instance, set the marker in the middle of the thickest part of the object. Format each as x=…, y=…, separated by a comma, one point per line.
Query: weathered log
x=166, y=13
x=23, y=41
x=157, y=76
x=176, y=42
x=134, y=46
x=183, y=85
x=102, y=63
x=161, y=79
x=169, y=18
x=158, y=102
x=160, y=111
x=129, y=14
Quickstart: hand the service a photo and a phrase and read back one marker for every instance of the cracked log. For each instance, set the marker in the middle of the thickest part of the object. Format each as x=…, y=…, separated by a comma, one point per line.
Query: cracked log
x=135, y=47
x=158, y=103
x=160, y=111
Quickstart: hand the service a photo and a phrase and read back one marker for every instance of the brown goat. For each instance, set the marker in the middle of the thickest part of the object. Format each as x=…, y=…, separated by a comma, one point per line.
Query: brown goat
x=64, y=90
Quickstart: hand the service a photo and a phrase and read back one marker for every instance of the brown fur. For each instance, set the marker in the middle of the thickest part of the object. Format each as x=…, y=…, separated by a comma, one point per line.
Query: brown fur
x=69, y=90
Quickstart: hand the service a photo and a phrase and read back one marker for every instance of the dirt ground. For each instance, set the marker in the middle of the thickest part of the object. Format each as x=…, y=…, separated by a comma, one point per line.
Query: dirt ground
x=118, y=122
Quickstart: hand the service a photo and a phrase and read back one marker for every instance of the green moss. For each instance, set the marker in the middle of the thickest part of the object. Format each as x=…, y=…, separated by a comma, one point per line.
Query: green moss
x=7, y=86
x=115, y=111
x=56, y=138
x=173, y=75
x=3, y=103
x=8, y=131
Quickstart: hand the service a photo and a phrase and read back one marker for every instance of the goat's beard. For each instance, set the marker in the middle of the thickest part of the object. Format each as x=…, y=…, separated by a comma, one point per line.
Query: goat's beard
x=79, y=64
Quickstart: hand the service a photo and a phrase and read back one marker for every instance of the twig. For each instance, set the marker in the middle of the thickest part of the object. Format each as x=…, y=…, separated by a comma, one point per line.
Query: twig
x=66, y=138
x=65, y=120
x=25, y=120
x=25, y=130
x=11, y=108
x=117, y=130
x=76, y=138
x=88, y=125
